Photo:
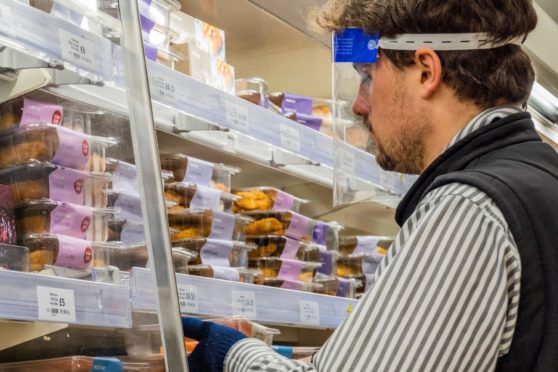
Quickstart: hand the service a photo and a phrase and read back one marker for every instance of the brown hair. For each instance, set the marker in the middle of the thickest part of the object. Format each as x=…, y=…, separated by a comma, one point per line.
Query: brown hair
x=483, y=77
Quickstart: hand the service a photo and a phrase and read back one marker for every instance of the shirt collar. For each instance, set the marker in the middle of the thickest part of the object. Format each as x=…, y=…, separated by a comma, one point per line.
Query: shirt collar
x=483, y=119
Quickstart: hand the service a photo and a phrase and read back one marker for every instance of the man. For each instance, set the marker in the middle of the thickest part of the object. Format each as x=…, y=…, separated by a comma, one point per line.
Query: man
x=470, y=282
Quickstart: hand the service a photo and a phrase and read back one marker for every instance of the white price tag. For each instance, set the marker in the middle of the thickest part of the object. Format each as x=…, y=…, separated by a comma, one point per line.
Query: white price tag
x=56, y=304
x=77, y=50
x=162, y=87
x=310, y=313
x=290, y=138
x=188, y=298
x=7, y=25
x=244, y=303
x=237, y=117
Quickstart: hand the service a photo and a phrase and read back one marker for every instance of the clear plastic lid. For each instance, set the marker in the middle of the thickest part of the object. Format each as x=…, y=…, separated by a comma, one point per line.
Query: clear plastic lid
x=253, y=90
x=206, y=223
x=191, y=170
x=293, y=285
x=14, y=257
x=48, y=216
x=282, y=247
x=327, y=234
x=291, y=224
x=56, y=144
x=273, y=267
x=189, y=195
x=349, y=266
x=236, y=274
x=340, y=287
x=48, y=181
x=265, y=198
x=216, y=252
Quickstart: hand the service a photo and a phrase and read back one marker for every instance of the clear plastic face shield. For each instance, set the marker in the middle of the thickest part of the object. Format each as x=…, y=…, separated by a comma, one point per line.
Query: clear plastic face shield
x=356, y=58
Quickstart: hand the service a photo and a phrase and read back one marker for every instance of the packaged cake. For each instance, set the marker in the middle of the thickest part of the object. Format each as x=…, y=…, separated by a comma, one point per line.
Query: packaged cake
x=265, y=199
x=235, y=274
x=273, y=267
x=206, y=223
x=216, y=252
x=14, y=257
x=291, y=224
x=282, y=247
x=189, y=195
x=8, y=234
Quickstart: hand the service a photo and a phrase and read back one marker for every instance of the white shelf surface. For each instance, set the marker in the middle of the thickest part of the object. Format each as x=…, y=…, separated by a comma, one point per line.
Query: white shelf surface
x=213, y=297
x=48, y=38
x=96, y=304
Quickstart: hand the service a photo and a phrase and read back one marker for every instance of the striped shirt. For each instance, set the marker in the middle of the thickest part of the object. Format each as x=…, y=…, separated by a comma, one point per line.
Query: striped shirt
x=445, y=298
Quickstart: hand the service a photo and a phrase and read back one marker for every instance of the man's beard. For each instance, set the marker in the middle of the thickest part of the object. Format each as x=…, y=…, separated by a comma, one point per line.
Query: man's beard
x=404, y=154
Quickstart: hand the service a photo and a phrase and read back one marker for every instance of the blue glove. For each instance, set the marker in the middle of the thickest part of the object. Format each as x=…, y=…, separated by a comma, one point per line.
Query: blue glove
x=215, y=341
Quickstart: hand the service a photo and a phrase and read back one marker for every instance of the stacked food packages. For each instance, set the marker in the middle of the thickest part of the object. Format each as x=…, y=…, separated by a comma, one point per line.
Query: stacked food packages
x=171, y=37
x=200, y=219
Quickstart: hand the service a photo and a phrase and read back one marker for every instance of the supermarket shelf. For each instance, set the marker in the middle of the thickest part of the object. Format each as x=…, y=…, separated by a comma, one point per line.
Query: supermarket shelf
x=207, y=297
x=96, y=304
x=97, y=59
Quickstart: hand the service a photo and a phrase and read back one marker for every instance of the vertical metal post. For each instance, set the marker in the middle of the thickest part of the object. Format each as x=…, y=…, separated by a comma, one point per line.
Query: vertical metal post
x=146, y=152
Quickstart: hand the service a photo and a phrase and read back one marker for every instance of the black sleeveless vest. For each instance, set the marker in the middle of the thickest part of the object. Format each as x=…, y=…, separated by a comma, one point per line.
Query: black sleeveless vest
x=508, y=161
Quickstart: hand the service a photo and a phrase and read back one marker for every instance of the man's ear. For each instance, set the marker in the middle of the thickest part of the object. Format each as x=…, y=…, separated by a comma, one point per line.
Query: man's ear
x=430, y=67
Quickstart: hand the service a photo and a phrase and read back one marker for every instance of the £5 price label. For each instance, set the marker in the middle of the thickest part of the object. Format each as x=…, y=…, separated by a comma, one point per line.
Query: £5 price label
x=310, y=313
x=290, y=138
x=162, y=88
x=77, y=50
x=56, y=304
x=244, y=303
x=236, y=117
x=188, y=298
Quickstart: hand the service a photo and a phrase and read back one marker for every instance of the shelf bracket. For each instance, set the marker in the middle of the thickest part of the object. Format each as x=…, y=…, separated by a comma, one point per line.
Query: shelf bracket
x=185, y=123
x=281, y=158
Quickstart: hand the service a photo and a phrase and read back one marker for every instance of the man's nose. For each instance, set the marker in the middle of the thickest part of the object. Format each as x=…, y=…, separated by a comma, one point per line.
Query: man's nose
x=361, y=104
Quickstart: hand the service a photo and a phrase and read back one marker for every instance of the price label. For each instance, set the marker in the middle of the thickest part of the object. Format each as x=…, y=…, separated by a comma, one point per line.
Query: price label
x=290, y=138
x=7, y=25
x=77, y=49
x=237, y=117
x=162, y=87
x=56, y=304
x=310, y=313
x=188, y=298
x=244, y=303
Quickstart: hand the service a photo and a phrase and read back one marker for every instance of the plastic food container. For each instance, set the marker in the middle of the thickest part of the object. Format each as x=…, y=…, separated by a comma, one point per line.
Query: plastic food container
x=273, y=267
x=216, y=252
x=200, y=172
x=327, y=234
x=14, y=257
x=188, y=195
x=127, y=256
x=206, y=223
x=365, y=245
x=340, y=287
x=248, y=328
x=253, y=90
x=293, y=284
x=59, y=250
x=125, y=231
x=47, y=216
x=265, y=199
x=10, y=115
x=349, y=266
x=56, y=144
x=234, y=274
x=291, y=224
x=8, y=233
x=48, y=181
x=283, y=247
x=74, y=364
x=124, y=175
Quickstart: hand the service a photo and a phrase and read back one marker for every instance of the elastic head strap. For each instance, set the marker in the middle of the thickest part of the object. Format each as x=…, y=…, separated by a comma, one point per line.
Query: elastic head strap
x=444, y=42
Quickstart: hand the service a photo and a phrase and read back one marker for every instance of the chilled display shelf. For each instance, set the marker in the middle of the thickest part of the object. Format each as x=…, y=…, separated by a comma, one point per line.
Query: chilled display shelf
x=96, y=58
x=25, y=296
x=207, y=297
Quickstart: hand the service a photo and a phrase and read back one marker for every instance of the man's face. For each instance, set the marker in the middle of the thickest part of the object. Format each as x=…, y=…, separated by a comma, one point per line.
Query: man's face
x=391, y=108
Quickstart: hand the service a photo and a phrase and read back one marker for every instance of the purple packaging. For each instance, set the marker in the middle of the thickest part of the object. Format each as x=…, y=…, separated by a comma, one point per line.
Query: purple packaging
x=35, y=112
x=326, y=258
x=226, y=273
x=366, y=244
x=67, y=185
x=147, y=24
x=290, y=269
x=130, y=207
x=283, y=201
x=125, y=178
x=7, y=218
x=71, y=220
x=216, y=252
x=292, y=284
x=73, y=253
x=198, y=171
x=150, y=52
x=298, y=104
x=309, y=121
x=132, y=233
x=344, y=288
x=73, y=149
x=291, y=248
x=298, y=226
x=319, y=235
x=222, y=225
x=206, y=198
